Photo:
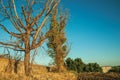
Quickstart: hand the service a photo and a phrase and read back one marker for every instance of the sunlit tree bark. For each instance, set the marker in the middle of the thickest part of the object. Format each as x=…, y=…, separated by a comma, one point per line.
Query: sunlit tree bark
x=28, y=25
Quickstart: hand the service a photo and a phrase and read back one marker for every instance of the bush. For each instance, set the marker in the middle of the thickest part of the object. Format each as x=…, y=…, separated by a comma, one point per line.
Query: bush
x=70, y=64
x=115, y=69
x=92, y=67
x=79, y=66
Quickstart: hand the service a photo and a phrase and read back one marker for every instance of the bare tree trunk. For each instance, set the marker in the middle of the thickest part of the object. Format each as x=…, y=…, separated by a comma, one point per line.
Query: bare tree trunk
x=27, y=52
x=9, y=67
x=16, y=65
x=27, y=62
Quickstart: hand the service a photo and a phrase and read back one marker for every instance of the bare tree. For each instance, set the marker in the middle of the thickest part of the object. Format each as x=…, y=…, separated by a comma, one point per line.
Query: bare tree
x=28, y=24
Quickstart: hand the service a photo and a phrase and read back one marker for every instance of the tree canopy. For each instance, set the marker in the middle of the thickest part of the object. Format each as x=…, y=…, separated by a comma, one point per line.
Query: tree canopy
x=79, y=66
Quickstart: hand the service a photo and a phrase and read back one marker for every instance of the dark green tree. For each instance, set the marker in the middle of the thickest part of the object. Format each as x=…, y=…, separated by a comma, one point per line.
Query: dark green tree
x=75, y=65
x=86, y=68
x=79, y=64
x=70, y=64
x=93, y=67
x=115, y=69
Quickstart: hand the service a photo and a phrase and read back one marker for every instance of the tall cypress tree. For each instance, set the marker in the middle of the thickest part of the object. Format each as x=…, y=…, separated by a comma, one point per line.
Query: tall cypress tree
x=57, y=40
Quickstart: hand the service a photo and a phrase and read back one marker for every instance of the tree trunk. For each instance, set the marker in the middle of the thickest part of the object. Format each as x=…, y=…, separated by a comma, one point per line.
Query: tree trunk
x=10, y=66
x=61, y=67
x=60, y=60
x=27, y=62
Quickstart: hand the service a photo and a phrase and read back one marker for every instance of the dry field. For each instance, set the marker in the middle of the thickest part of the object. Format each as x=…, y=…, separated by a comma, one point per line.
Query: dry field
x=40, y=72
x=98, y=76
x=42, y=76
x=61, y=76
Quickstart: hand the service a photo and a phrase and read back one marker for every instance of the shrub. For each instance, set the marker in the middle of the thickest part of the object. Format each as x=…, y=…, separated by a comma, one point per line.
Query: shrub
x=115, y=69
x=79, y=66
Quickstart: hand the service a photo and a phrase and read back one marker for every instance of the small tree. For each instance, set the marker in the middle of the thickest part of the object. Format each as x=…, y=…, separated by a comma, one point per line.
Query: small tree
x=56, y=37
x=93, y=67
x=70, y=64
x=79, y=65
x=115, y=69
x=28, y=23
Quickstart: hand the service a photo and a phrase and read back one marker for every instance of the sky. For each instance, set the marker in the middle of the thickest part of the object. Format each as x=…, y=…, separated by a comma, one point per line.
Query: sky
x=93, y=29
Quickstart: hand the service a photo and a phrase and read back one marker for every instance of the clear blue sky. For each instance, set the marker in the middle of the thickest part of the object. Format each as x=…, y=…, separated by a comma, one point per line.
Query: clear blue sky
x=93, y=29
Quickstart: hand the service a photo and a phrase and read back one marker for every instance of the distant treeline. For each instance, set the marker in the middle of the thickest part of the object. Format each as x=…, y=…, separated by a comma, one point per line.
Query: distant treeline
x=115, y=69
x=78, y=65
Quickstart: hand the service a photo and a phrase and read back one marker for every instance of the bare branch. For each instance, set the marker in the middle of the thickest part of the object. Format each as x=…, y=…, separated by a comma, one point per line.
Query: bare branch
x=43, y=22
x=38, y=44
x=15, y=9
x=53, y=7
x=4, y=28
x=11, y=33
x=39, y=15
x=40, y=27
x=33, y=57
x=24, y=13
x=21, y=25
x=12, y=45
x=10, y=16
x=12, y=48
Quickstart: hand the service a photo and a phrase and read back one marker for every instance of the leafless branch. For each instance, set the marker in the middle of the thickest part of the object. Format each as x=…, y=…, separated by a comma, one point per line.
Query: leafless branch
x=11, y=33
x=43, y=22
x=12, y=45
x=15, y=9
x=39, y=43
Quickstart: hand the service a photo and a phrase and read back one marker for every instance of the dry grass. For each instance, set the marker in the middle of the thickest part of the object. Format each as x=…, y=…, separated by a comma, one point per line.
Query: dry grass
x=61, y=76
x=39, y=72
x=42, y=76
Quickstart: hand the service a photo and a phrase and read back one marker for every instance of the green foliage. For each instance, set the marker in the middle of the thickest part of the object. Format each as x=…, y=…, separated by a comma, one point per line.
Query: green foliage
x=115, y=69
x=75, y=65
x=70, y=64
x=92, y=67
x=79, y=66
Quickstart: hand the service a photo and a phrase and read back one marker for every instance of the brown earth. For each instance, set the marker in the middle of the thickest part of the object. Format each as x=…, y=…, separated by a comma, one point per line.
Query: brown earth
x=98, y=76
